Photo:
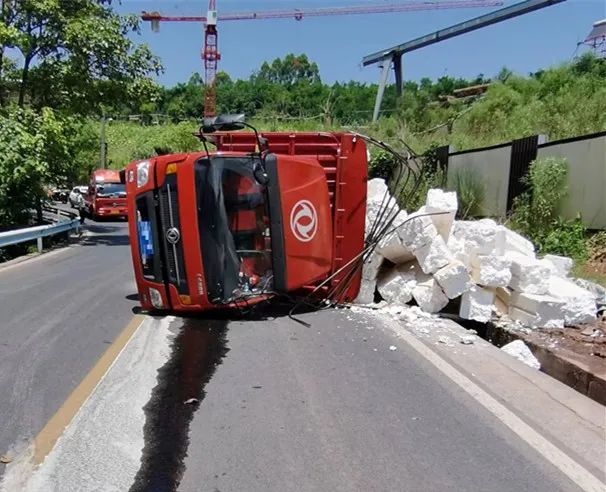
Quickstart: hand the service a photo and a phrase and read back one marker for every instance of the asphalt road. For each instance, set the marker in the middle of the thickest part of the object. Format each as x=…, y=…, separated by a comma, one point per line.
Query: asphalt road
x=245, y=405
x=58, y=314
x=331, y=407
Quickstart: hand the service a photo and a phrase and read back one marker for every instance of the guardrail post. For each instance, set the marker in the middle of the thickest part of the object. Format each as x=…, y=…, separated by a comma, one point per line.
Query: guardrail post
x=40, y=245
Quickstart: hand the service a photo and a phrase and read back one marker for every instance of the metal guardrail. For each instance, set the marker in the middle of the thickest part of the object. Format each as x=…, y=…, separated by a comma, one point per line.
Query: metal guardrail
x=69, y=222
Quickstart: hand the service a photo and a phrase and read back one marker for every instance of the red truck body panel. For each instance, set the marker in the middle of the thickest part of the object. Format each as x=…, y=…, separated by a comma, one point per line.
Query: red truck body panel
x=322, y=207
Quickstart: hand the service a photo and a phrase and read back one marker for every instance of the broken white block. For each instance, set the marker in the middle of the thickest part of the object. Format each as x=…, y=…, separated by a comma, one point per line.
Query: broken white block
x=467, y=339
x=379, y=204
x=507, y=240
x=520, y=351
x=479, y=236
x=579, y=304
x=504, y=294
x=477, y=304
x=445, y=205
x=417, y=231
x=453, y=278
x=397, y=285
x=523, y=317
x=457, y=248
x=370, y=267
x=528, y=274
x=392, y=247
x=367, y=292
x=429, y=295
x=560, y=265
x=542, y=311
x=491, y=270
x=434, y=255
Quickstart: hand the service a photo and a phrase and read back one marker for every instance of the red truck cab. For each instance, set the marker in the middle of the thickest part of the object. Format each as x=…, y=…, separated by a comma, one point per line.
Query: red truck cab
x=106, y=196
x=233, y=227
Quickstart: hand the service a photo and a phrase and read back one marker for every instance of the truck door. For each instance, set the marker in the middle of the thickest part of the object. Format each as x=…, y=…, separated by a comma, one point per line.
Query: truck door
x=301, y=221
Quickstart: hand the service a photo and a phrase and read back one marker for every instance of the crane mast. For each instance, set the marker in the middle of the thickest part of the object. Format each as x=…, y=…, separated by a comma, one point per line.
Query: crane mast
x=211, y=57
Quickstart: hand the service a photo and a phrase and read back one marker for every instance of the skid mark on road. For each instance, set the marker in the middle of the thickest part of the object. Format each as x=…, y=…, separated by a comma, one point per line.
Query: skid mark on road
x=196, y=352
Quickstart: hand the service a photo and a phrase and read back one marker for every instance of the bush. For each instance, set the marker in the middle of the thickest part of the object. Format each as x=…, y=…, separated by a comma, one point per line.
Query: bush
x=131, y=141
x=382, y=165
x=414, y=194
x=535, y=213
x=471, y=191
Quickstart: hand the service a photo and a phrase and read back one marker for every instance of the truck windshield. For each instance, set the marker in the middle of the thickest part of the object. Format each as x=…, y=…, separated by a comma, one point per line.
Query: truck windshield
x=111, y=189
x=234, y=228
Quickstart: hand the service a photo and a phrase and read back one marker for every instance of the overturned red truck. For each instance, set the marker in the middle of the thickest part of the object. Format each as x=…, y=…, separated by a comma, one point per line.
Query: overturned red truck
x=260, y=215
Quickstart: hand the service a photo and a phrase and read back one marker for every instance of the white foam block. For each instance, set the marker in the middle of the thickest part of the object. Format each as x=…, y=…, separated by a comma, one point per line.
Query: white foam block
x=477, y=304
x=520, y=351
x=429, y=296
x=367, y=292
x=491, y=270
x=371, y=266
x=433, y=255
x=547, y=311
x=507, y=240
x=378, y=203
x=454, y=279
x=445, y=205
x=560, y=265
x=479, y=236
x=397, y=285
x=528, y=274
x=417, y=231
x=392, y=247
x=457, y=248
x=579, y=304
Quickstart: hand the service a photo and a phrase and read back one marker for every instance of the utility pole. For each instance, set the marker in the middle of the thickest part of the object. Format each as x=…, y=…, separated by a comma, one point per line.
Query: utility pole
x=103, y=143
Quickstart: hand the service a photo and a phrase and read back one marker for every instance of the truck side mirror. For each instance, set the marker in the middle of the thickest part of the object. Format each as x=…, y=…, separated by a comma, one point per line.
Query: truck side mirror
x=123, y=176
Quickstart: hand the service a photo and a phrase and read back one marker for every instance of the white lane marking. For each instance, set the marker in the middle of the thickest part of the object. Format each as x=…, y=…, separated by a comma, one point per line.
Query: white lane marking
x=573, y=470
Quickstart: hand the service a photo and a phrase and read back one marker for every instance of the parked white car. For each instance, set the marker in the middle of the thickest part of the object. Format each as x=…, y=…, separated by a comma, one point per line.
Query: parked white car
x=75, y=196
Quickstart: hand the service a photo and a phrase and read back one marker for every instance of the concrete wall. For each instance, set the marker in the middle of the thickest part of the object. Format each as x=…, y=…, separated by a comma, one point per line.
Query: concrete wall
x=587, y=178
x=492, y=166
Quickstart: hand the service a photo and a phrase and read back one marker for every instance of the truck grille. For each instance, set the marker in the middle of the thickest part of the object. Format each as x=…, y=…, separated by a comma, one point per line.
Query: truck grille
x=168, y=199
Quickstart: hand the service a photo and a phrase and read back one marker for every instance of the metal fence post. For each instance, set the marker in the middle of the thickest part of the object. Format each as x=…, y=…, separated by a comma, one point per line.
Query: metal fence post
x=40, y=245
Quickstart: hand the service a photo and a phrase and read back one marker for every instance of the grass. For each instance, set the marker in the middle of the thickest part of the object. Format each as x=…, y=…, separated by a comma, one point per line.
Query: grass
x=588, y=271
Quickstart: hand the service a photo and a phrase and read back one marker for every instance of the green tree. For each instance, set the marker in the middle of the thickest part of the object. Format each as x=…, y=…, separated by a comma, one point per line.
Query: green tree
x=290, y=70
x=39, y=149
x=76, y=54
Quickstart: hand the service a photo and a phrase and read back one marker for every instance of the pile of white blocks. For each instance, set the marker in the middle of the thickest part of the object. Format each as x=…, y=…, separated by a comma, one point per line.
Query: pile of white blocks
x=433, y=258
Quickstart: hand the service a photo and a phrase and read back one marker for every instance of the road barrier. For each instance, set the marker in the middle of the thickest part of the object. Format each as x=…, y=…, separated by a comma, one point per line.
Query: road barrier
x=66, y=221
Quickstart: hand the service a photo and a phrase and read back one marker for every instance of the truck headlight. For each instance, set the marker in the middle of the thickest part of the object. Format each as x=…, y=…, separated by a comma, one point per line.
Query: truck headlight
x=156, y=298
x=142, y=173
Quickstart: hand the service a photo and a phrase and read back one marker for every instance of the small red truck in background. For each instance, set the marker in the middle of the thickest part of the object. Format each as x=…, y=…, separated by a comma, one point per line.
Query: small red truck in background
x=106, y=196
x=238, y=225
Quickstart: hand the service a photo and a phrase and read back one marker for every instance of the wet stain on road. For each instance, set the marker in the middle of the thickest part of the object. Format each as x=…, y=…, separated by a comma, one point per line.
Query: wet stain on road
x=196, y=352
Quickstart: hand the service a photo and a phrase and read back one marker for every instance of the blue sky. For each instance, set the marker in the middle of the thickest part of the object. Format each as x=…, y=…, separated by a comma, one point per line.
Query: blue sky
x=337, y=44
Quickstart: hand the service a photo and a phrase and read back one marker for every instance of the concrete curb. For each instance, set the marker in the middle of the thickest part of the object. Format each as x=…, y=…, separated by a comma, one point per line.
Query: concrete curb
x=563, y=365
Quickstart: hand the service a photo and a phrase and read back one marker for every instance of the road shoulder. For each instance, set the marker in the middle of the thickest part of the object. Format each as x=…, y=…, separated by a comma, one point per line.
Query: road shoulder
x=571, y=421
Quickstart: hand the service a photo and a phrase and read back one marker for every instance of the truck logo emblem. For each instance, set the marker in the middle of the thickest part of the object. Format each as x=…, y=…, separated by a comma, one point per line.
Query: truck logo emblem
x=304, y=221
x=173, y=235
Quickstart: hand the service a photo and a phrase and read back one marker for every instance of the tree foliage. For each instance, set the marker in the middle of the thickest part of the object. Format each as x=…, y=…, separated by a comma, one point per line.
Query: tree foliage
x=74, y=55
x=39, y=149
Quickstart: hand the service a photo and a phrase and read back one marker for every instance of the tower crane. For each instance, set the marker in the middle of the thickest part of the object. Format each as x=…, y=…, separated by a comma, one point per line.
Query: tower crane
x=211, y=54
